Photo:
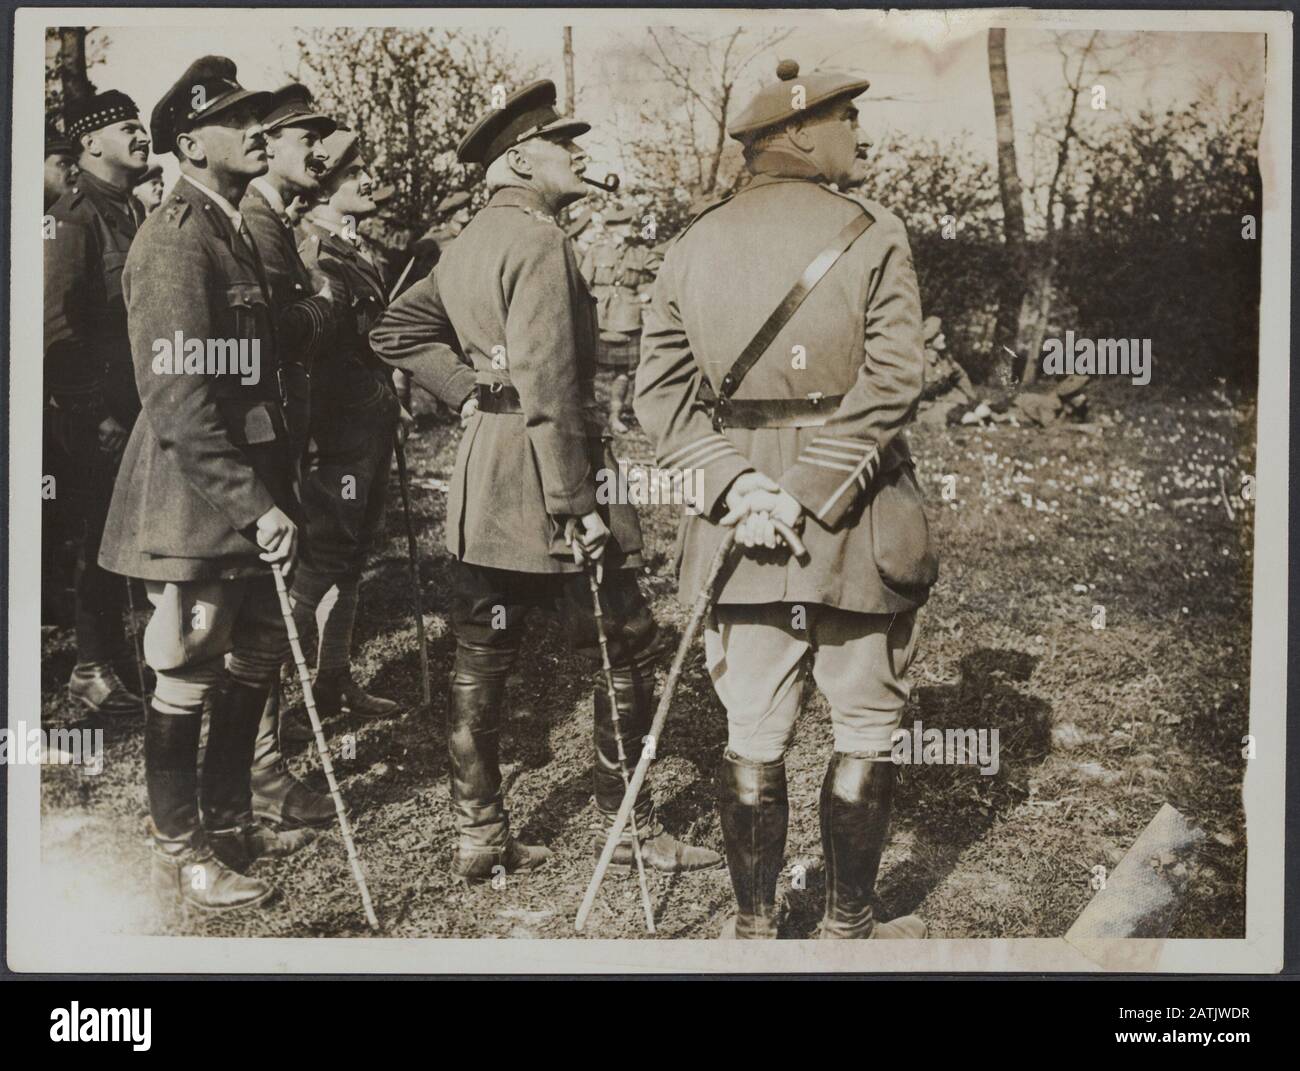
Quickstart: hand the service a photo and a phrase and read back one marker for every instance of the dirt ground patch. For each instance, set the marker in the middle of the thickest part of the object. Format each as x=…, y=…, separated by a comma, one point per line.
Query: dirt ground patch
x=1098, y=726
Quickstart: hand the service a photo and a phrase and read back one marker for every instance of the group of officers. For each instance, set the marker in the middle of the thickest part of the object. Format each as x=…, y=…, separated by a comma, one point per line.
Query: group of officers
x=778, y=357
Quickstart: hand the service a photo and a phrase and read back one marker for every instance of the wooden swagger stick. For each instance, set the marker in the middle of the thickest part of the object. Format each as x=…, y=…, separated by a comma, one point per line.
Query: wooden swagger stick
x=701, y=607
x=412, y=554
x=322, y=748
x=618, y=739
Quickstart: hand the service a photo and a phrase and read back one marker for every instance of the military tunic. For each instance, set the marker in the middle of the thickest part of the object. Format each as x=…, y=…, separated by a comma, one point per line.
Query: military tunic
x=509, y=297
x=354, y=410
x=304, y=320
x=869, y=548
x=88, y=378
x=211, y=455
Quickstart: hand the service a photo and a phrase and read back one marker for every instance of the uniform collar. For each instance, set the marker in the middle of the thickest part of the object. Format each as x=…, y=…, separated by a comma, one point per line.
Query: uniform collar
x=352, y=240
x=97, y=185
x=776, y=164
x=521, y=197
x=227, y=209
x=271, y=197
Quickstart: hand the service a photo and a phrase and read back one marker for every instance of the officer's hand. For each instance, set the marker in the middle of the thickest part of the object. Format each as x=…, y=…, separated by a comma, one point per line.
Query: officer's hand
x=780, y=504
x=277, y=535
x=587, y=535
x=738, y=494
x=468, y=409
x=405, y=425
x=755, y=530
x=112, y=436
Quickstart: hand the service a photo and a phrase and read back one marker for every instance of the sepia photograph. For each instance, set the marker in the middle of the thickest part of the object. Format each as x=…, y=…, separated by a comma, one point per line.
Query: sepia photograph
x=644, y=490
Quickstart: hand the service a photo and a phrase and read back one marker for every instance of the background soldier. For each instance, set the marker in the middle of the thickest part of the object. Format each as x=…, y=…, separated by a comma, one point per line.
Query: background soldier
x=88, y=373
x=149, y=190
x=354, y=416
x=60, y=165
x=206, y=482
x=813, y=439
x=620, y=274
x=523, y=507
x=304, y=320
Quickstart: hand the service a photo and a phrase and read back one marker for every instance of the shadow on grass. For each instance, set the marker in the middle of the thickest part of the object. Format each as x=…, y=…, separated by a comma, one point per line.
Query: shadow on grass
x=941, y=810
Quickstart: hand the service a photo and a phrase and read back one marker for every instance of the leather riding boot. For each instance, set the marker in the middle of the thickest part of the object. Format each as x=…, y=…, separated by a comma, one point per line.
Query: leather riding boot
x=184, y=868
x=618, y=388
x=225, y=790
x=337, y=693
x=473, y=733
x=634, y=693
x=278, y=797
x=755, y=812
x=98, y=688
x=186, y=871
x=856, y=797
x=171, y=770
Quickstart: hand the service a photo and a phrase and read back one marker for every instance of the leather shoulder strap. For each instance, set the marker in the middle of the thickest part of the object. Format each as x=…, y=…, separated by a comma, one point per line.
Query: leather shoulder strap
x=812, y=275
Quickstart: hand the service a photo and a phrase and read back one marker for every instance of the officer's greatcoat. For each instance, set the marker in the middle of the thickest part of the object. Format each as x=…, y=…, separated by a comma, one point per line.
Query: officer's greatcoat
x=210, y=454
x=508, y=295
x=856, y=335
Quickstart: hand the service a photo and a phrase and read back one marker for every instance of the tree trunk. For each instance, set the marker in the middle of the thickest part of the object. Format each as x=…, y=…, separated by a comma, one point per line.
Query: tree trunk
x=72, y=64
x=1012, y=292
x=568, y=70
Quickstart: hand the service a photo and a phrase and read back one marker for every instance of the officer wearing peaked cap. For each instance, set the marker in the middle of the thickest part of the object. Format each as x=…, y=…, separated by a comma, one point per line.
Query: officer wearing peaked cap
x=354, y=416
x=204, y=501
x=305, y=322
x=792, y=406
x=620, y=272
x=504, y=330
x=88, y=373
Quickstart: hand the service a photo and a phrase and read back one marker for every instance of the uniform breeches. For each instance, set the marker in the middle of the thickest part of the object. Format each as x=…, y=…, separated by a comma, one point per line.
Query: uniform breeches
x=489, y=607
x=197, y=623
x=759, y=655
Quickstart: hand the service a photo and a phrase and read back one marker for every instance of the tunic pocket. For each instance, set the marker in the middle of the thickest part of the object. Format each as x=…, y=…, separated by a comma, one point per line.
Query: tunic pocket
x=900, y=534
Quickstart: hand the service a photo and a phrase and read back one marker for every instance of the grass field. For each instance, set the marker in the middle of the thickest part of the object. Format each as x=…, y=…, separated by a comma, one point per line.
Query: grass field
x=1040, y=532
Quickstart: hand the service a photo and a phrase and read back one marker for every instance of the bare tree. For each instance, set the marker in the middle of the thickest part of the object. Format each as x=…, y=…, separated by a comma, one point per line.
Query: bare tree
x=70, y=52
x=1012, y=291
x=412, y=95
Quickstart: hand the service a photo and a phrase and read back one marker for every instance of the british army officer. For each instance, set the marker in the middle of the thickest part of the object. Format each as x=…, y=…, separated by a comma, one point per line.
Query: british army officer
x=523, y=507
x=204, y=499
x=789, y=394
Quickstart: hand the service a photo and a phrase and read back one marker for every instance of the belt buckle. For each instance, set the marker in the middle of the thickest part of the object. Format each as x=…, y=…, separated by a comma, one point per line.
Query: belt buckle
x=816, y=397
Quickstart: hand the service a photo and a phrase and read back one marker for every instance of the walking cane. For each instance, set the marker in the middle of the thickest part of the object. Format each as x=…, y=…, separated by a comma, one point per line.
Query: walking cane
x=135, y=647
x=322, y=747
x=618, y=740
x=702, y=603
x=400, y=280
x=400, y=450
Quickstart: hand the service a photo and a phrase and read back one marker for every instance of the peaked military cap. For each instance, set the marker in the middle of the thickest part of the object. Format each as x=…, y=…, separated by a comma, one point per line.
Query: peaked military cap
x=383, y=195
x=178, y=113
x=154, y=172
x=291, y=105
x=527, y=113
x=618, y=214
x=98, y=111
x=56, y=144
x=341, y=148
x=775, y=103
x=452, y=201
